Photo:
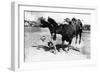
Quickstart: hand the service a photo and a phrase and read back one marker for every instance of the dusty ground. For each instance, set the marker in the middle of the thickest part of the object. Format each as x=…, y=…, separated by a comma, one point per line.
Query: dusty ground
x=32, y=38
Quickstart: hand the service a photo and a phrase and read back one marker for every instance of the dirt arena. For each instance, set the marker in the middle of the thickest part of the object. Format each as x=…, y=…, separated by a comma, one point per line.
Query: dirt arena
x=32, y=37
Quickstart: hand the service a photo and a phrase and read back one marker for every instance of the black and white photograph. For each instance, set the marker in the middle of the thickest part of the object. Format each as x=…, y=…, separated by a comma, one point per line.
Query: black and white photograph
x=56, y=36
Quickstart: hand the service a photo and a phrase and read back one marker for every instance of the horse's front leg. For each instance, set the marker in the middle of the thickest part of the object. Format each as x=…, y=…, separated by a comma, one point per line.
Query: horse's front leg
x=54, y=44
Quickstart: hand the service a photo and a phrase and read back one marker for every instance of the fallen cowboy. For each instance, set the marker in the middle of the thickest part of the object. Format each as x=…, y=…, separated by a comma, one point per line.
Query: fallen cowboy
x=50, y=47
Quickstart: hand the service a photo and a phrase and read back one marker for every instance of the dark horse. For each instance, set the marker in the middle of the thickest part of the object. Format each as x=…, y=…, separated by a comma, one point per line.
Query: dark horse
x=68, y=31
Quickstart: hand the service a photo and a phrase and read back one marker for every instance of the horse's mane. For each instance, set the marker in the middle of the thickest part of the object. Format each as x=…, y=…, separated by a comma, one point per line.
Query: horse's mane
x=53, y=22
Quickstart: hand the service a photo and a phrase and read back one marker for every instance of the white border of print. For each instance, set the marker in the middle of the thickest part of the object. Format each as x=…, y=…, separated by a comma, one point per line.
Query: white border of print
x=17, y=51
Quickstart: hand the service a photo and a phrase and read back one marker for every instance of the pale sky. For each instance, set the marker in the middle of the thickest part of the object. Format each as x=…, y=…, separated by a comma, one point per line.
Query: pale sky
x=59, y=17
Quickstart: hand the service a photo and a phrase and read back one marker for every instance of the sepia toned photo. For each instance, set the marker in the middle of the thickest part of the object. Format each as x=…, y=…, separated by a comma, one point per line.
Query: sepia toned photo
x=56, y=36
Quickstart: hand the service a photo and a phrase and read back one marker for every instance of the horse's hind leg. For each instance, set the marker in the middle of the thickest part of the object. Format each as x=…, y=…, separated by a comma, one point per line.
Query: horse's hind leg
x=76, y=39
x=80, y=34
